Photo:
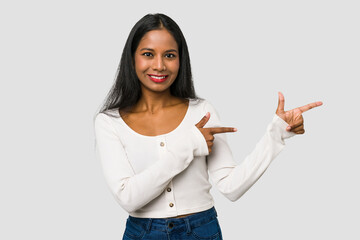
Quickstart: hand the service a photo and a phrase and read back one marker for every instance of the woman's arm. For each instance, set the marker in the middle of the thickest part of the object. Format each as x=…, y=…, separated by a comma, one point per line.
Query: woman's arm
x=233, y=179
x=133, y=191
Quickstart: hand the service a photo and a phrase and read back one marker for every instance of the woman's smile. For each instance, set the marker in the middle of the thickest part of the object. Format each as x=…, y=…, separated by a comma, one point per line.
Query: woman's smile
x=158, y=78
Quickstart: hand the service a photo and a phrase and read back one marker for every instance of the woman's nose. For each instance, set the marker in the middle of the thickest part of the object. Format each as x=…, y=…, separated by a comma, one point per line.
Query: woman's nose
x=158, y=64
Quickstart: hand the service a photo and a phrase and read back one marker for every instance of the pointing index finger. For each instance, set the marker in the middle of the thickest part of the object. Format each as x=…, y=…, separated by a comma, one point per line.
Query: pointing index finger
x=216, y=130
x=310, y=106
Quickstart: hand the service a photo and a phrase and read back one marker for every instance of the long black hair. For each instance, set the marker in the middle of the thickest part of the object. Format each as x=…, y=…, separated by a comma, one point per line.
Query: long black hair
x=126, y=90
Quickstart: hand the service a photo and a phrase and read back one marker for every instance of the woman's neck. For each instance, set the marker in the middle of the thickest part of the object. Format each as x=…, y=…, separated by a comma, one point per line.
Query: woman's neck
x=153, y=102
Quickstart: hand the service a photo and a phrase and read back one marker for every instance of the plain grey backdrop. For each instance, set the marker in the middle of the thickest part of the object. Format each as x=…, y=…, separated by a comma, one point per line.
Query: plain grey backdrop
x=58, y=62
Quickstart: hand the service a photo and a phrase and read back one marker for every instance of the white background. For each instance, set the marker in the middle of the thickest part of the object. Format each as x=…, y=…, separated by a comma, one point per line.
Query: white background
x=58, y=61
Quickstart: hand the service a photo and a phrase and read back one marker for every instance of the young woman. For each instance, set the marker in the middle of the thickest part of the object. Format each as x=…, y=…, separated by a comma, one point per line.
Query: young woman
x=156, y=140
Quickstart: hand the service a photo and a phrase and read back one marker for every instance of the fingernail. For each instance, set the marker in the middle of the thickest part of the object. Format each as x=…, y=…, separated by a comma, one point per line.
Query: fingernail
x=235, y=129
x=207, y=114
x=288, y=128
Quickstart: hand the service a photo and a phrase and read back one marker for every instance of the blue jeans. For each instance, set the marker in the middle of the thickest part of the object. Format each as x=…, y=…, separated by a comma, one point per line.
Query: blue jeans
x=199, y=226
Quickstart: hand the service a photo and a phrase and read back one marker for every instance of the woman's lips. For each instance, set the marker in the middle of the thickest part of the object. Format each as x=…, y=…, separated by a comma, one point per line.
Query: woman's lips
x=158, y=78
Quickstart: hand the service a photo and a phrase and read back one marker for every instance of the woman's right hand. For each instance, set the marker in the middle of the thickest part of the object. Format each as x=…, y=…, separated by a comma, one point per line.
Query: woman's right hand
x=208, y=133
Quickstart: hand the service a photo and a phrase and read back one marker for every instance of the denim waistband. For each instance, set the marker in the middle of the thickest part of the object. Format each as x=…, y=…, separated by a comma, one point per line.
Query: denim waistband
x=174, y=224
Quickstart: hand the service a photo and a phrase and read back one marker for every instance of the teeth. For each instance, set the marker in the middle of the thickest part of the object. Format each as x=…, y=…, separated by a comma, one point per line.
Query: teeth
x=158, y=77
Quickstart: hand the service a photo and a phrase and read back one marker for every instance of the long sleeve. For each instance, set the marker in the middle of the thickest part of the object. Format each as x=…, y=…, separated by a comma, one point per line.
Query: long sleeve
x=232, y=179
x=133, y=191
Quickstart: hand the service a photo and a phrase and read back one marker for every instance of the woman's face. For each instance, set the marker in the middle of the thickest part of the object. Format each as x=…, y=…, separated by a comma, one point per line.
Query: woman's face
x=157, y=60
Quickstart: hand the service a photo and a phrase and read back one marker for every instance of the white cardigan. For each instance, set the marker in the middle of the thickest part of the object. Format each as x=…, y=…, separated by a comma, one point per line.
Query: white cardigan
x=168, y=175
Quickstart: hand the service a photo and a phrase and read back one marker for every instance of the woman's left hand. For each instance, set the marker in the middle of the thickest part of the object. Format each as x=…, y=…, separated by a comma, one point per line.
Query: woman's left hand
x=294, y=117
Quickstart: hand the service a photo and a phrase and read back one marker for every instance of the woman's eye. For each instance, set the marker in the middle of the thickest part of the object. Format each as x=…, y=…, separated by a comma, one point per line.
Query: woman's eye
x=147, y=54
x=170, y=55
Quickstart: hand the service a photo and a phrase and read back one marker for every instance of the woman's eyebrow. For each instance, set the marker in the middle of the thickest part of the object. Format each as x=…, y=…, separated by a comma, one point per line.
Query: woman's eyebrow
x=150, y=49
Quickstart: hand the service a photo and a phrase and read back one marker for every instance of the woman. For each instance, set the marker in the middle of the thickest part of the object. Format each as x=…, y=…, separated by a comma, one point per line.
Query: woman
x=155, y=140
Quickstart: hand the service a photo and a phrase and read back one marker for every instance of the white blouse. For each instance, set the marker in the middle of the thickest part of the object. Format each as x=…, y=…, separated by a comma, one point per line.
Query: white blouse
x=168, y=175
